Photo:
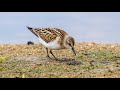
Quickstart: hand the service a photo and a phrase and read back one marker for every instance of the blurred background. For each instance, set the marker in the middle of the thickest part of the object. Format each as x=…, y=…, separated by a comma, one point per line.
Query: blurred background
x=99, y=27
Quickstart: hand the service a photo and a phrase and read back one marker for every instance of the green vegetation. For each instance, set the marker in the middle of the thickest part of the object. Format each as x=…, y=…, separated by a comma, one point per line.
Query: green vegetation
x=1, y=69
x=3, y=59
x=98, y=55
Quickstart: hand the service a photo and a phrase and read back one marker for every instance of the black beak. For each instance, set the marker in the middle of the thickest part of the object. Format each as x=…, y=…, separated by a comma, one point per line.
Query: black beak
x=73, y=51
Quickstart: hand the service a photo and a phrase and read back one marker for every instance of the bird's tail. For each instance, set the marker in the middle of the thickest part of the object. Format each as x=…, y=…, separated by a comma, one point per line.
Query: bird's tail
x=32, y=30
x=29, y=28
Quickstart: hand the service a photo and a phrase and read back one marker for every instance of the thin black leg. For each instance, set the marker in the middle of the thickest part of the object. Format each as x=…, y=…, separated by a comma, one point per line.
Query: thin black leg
x=52, y=54
x=47, y=53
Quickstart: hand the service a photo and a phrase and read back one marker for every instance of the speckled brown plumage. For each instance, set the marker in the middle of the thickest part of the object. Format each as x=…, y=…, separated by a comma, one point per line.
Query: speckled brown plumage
x=49, y=34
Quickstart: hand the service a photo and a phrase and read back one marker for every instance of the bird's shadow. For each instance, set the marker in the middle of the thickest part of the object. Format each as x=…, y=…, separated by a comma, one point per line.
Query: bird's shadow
x=68, y=61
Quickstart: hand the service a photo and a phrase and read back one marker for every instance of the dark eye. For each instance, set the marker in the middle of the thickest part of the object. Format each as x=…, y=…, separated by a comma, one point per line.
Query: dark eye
x=69, y=44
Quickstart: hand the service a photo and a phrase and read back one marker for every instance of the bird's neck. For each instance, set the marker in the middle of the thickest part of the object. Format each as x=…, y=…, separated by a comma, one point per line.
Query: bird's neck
x=65, y=41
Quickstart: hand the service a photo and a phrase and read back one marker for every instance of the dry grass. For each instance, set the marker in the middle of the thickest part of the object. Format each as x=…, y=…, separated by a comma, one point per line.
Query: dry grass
x=29, y=61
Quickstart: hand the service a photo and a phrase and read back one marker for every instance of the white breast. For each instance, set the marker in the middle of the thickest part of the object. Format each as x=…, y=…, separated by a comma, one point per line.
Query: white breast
x=50, y=45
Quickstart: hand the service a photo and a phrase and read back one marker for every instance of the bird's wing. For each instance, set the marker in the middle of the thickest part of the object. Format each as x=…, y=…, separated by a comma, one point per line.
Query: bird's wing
x=47, y=34
x=61, y=32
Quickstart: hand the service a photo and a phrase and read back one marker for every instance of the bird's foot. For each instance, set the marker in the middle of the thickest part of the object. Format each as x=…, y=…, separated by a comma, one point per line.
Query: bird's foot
x=48, y=57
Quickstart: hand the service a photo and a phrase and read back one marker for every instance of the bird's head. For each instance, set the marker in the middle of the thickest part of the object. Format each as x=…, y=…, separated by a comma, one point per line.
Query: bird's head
x=70, y=42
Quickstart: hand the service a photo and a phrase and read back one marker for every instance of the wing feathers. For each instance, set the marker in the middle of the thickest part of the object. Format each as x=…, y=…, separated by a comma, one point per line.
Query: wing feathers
x=47, y=34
